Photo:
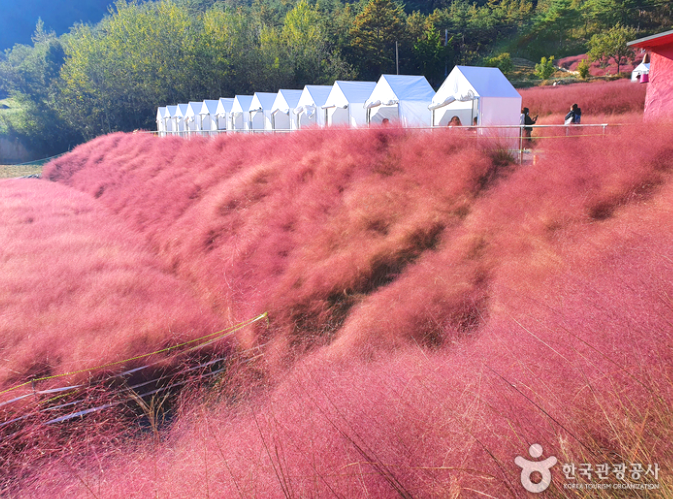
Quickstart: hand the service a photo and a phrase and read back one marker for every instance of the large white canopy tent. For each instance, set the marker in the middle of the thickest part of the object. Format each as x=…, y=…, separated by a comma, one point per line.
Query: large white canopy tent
x=471, y=92
x=345, y=103
x=208, y=116
x=401, y=98
x=224, y=106
x=282, y=111
x=239, y=116
x=309, y=108
x=162, y=112
x=193, y=117
x=260, y=110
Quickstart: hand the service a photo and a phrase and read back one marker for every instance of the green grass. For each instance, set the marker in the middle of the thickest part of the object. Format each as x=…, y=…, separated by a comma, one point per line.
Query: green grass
x=11, y=171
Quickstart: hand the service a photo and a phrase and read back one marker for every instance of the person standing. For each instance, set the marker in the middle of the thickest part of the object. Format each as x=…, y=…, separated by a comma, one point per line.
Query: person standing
x=527, y=121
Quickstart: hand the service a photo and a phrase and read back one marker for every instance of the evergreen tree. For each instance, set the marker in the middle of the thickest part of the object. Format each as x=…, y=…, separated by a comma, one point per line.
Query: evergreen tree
x=373, y=36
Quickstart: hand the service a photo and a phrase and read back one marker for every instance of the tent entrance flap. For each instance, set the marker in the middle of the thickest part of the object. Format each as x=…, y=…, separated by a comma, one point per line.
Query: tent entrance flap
x=465, y=110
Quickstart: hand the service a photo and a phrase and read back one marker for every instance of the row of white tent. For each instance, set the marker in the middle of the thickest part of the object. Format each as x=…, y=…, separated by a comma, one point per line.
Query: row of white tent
x=468, y=92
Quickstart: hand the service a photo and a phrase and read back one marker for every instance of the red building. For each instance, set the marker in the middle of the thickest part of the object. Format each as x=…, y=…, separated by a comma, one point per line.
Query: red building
x=659, y=100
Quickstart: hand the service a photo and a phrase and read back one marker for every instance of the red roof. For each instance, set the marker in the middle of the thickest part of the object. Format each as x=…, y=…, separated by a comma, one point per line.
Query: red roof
x=665, y=38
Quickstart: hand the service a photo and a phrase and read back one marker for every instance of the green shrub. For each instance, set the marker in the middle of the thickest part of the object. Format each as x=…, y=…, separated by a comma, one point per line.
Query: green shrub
x=503, y=62
x=546, y=68
x=583, y=68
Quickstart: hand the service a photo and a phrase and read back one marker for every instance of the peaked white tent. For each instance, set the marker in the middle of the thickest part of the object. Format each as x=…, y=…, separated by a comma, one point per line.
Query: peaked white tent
x=161, y=121
x=309, y=108
x=641, y=69
x=401, y=98
x=224, y=106
x=193, y=117
x=239, y=116
x=474, y=92
x=208, y=116
x=179, y=119
x=260, y=110
x=171, y=114
x=282, y=110
x=345, y=103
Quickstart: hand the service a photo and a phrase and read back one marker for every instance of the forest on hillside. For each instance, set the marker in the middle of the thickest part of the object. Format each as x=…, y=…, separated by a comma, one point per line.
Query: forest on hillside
x=111, y=76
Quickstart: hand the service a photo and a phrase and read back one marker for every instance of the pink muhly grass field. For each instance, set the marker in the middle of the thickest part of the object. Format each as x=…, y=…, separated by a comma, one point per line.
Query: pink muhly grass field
x=434, y=309
x=596, y=68
x=600, y=98
x=79, y=290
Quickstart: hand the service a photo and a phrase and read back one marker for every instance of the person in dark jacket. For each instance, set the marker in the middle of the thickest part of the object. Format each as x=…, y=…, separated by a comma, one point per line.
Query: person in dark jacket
x=526, y=120
x=574, y=117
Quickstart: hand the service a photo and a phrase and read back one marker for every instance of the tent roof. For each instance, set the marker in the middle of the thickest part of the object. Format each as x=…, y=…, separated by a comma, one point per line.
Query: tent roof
x=172, y=111
x=349, y=92
x=209, y=107
x=643, y=66
x=241, y=103
x=224, y=106
x=182, y=110
x=193, y=109
x=162, y=112
x=391, y=89
x=314, y=95
x=664, y=38
x=262, y=101
x=467, y=82
x=286, y=100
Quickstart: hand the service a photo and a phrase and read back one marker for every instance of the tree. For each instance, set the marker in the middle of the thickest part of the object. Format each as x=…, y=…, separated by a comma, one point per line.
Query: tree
x=227, y=53
x=304, y=43
x=140, y=57
x=545, y=68
x=373, y=37
x=612, y=45
x=431, y=54
x=31, y=76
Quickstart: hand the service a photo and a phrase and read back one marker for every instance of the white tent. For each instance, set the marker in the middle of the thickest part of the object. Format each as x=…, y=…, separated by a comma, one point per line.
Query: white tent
x=208, y=116
x=345, y=103
x=179, y=119
x=224, y=106
x=401, y=98
x=309, y=108
x=171, y=113
x=641, y=69
x=473, y=92
x=161, y=121
x=282, y=111
x=260, y=110
x=193, y=118
x=239, y=116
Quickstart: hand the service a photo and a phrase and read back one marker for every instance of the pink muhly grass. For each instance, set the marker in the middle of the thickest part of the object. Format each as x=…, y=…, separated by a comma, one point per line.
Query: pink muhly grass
x=595, y=98
x=596, y=68
x=457, y=310
x=79, y=291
